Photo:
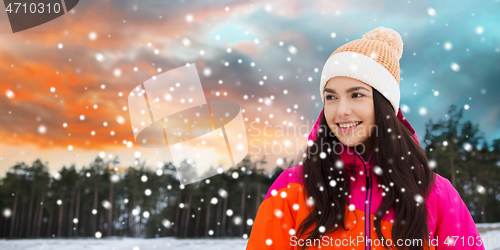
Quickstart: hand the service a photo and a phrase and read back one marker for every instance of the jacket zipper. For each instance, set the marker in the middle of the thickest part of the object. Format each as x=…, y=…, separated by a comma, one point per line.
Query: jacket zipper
x=370, y=207
x=368, y=199
x=367, y=211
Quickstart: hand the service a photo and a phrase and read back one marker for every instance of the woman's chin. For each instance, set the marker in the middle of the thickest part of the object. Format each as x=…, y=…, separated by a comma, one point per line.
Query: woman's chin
x=349, y=143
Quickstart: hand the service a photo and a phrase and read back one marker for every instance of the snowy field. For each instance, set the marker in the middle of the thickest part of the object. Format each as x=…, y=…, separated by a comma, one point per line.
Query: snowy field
x=489, y=232
x=123, y=244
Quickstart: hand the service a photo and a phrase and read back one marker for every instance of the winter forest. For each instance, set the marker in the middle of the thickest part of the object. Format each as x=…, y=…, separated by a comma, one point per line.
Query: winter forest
x=100, y=201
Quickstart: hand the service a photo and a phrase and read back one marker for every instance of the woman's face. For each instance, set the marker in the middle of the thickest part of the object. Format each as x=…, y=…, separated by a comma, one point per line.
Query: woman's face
x=349, y=111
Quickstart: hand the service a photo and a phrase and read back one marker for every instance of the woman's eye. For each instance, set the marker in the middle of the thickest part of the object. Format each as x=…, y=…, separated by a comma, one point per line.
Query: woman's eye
x=330, y=97
x=356, y=95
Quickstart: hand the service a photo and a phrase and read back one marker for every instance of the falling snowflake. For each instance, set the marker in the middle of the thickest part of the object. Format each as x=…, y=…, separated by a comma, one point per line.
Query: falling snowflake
x=431, y=11
x=159, y=172
x=166, y=223
x=339, y=164
x=378, y=171
x=186, y=42
x=137, y=154
x=120, y=119
x=214, y=201
x=9, y=94
x=99, y=57
x=422, y=111
x=448, y=46
x=479, y=30
x=237, y=220
x=114, y=178
x=333, y=183
x=310, y=201
x=42, y=129
x=418, y=198
x=106, y=204
x=249, y=222
x=223, y=193
x=7, y=212
x=480, y=189
x=207, y=72
x=92, y=36
x=269, y=242
x=279, y=161
x=322, y=155
x=432, y=164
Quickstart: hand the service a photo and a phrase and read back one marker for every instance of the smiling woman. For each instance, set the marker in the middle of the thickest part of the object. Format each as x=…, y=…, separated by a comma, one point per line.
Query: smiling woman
x=365, y=181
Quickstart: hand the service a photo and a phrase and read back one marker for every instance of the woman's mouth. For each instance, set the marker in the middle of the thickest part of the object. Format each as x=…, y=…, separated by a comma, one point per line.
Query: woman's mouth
x=346, y=127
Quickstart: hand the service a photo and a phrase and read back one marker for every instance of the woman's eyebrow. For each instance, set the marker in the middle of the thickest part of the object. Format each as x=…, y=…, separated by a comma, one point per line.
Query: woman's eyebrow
x=348, y=91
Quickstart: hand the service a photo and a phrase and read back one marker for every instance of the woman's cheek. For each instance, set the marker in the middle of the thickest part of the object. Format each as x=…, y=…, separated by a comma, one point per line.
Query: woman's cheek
x=372, y=129
x=333, y=128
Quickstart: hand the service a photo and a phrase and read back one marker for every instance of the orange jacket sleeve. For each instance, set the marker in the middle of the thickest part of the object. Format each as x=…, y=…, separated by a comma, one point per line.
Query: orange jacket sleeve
x=274, y=225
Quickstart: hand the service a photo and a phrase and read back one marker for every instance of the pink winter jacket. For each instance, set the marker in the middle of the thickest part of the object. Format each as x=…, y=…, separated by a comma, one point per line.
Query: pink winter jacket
x=284, y=208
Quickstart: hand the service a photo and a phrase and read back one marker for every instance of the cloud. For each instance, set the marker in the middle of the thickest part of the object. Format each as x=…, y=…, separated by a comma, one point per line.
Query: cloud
x=40, y=65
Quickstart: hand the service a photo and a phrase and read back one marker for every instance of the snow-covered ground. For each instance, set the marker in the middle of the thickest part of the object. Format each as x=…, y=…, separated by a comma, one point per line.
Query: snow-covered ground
x=490, y=234
x=123, y=244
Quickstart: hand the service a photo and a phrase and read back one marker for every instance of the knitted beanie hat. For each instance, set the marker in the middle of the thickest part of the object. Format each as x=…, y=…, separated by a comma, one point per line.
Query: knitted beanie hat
x=373, y=59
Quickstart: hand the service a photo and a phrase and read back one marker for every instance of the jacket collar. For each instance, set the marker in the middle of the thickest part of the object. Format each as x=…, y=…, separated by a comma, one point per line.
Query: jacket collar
x=352, y=159
x=349, y=157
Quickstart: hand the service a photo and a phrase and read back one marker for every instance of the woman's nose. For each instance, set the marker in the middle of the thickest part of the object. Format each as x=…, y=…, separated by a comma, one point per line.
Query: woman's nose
x=344, y=108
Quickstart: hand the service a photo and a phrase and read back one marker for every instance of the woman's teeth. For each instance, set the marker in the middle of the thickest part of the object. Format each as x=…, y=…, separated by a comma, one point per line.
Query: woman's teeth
x=348, y=125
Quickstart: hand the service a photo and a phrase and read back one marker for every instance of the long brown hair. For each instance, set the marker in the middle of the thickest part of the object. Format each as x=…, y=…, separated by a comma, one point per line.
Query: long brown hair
x=403, y=163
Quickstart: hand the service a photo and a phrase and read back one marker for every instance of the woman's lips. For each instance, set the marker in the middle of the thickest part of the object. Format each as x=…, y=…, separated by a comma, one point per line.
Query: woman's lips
x=345, y=130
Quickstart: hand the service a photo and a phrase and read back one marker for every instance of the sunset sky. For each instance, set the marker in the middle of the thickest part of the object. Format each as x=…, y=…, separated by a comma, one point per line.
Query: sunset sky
x=64, y=84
